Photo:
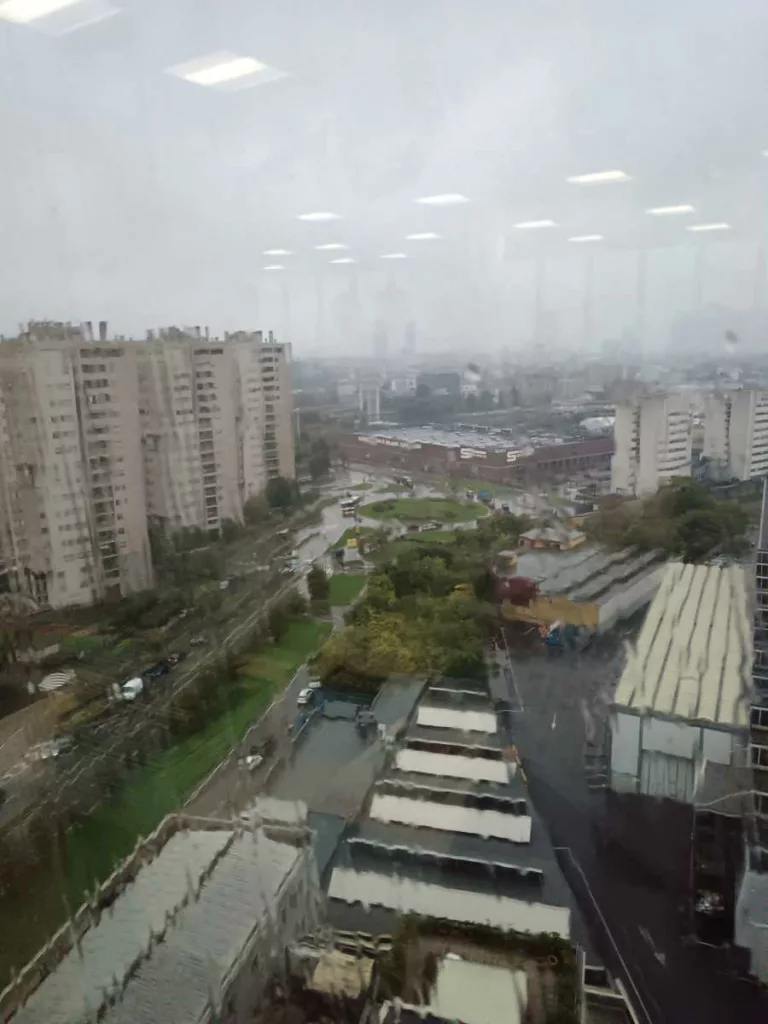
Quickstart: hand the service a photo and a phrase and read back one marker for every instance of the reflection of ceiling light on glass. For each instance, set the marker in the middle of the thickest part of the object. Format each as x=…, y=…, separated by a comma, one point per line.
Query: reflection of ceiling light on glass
x=331, y=246
x=718, y=226
x=670, y=211
x=319, y=216
x=344, y=259
x=226, y=70
x=598, y=178
x=24, y=11
x=533, y=224
x=422, y=236
x=275, y=266
x=395, y=256
x=586, y=238
x=277, y=252
x=56, y=17
x=449, y=199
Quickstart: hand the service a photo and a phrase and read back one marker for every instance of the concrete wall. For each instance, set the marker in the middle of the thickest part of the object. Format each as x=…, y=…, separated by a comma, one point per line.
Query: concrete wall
x=658, y=756
x=751, y=921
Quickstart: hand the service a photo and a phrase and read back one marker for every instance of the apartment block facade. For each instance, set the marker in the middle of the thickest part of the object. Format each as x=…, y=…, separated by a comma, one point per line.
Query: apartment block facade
x=100, y=438
x=736, y=433
x=73, y=523
x=652, y=443
x=216, y=423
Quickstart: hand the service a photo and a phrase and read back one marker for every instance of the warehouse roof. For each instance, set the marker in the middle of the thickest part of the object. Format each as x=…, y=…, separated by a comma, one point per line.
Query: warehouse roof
x=233, y=878
x=693, y=657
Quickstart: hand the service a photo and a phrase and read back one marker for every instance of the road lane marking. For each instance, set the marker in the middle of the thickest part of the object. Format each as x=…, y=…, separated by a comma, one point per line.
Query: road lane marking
x=608, y=932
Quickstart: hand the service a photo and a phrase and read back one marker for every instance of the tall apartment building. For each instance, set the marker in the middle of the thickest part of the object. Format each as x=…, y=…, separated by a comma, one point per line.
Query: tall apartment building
x=216, y=421
x=652, y=443
x=73, y=525
x=736, y=433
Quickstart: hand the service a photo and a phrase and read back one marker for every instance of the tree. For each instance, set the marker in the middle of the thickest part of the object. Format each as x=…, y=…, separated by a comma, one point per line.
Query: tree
x=318, y=584
x=282, y=493
x=698, y=532
x=319, y=459
x=256, y=510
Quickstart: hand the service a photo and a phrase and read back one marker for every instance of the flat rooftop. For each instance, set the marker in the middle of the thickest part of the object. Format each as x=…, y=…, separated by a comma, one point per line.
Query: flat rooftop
x=693, y=657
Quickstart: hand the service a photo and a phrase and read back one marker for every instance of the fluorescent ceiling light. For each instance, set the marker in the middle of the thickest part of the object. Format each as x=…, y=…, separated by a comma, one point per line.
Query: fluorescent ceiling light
x=23, y=11
x=275, y=266
x=277, y=252
x=717, y=226
x=597, y=178
x=332, y=246
x=344, y=259
x=532, y=224
x=586, y=238
x=320, y=215
x=226, y=70
x=395, y=256
x=448, y=199
x=422, y=236
x=670, y=211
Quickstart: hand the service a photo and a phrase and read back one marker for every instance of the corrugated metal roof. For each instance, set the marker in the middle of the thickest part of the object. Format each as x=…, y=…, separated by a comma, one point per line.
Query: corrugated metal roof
x=452, y=765
x=174, y=985
x=201, y=943
x=412, y=896
x=693, y=657
x=451, y=818
x=122, y=935
x=456, y=718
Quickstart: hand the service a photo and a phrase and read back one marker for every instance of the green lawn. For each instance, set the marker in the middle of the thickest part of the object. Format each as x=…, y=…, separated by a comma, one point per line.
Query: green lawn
x=344, y=587
x=408, y=542
x=443, y=509
x=111, y=833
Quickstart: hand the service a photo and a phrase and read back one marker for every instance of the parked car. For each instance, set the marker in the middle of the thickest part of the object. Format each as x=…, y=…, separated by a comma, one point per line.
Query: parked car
x=176, y=656
x=199, y=640
x=132, y=689
x=3, y=795
x=305, y=697
x=253, y=761
x=160, y=668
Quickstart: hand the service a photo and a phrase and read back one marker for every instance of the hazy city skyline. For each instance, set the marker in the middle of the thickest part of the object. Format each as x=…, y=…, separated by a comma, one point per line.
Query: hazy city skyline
x=142, y=189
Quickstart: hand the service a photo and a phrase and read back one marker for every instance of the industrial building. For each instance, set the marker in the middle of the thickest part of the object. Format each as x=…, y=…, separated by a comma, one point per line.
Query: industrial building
x=449, y=832
x=589, y=586
x=189, y=929
x=683, y=697
x=652, y=443
x=508, y=465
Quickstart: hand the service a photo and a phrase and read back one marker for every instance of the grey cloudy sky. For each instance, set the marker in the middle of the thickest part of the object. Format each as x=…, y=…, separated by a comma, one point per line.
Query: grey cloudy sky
x=130, y=194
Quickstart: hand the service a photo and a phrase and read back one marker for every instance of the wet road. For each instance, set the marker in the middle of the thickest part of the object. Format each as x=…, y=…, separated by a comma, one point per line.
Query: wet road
x=638, y=920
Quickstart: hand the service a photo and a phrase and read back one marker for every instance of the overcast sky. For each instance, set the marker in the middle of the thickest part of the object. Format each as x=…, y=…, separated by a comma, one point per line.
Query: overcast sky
x=131, y=194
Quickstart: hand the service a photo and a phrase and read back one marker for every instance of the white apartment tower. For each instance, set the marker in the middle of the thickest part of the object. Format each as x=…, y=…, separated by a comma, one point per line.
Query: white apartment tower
x=73, y=527
x=652, y=443
x=736, y=433
x=216, y=423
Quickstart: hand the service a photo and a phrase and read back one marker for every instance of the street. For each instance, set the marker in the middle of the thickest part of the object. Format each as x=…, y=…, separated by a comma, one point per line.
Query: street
x=559, y=702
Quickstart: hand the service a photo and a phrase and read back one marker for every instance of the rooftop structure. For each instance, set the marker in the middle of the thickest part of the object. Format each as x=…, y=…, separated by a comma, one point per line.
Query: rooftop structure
x=171, y=946
x=590, y=586
x=449, y=832
x=683, y=697
x=693, y=658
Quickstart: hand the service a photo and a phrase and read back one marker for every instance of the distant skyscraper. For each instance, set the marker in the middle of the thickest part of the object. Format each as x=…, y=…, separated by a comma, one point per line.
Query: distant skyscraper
x=380, y=341
x=409, y=344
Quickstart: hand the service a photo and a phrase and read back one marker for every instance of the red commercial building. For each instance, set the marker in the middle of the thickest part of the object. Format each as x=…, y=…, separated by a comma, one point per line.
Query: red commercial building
x=549, y=462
